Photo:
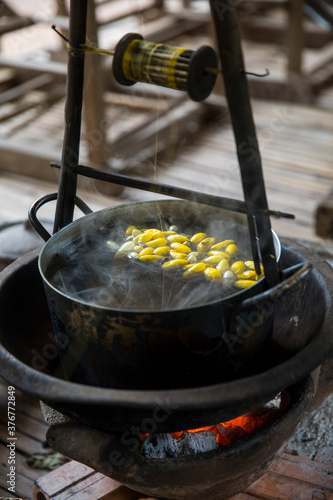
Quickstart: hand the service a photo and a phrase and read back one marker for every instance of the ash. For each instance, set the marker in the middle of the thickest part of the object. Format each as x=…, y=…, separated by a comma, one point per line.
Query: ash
x=165, y=445
x=313, y=437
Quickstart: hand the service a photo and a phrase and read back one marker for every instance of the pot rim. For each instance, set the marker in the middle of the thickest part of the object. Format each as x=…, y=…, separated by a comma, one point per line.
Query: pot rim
x=79, y=222
x=47, y=387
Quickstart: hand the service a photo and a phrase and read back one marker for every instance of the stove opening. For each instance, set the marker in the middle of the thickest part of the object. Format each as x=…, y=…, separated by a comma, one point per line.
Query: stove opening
x=204, y=439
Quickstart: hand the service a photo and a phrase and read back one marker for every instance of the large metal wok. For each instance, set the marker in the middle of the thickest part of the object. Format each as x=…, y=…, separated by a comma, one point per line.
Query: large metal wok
x=216, y=339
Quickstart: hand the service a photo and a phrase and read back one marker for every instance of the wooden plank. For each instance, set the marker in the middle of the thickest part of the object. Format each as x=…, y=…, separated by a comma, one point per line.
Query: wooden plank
x=264, y=29
x=109, y=12
x=243, y=496
x=274, y=487
x=78, y=482
x=304, y=472
x=26, y=159
x=26, y=403
x=324, y=217
x=13, y=24
x=22, y=89
x=99, y=487
x=24, y=443
x=295, y=39
x=295, y=478
x=52, y=68
x=23, y=486
x=22, y=468
x=3, y=493
x=27, y=425
x=58, y=480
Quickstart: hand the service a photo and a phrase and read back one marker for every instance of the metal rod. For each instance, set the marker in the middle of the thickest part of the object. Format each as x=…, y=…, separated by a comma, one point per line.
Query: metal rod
x=73, y=111
x=176, y=192
x=227, y=31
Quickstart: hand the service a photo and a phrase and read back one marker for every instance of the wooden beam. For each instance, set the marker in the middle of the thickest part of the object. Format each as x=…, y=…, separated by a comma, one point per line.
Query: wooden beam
x=295, y=38
x=93, y=106
x=324, y=217
x=51, y=67
x=22, y=89
x=10, y=24
x=265, y=30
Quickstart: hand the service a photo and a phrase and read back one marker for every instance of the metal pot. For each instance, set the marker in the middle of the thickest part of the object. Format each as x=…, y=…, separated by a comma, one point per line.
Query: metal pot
x=29, y=357
x=207, y=343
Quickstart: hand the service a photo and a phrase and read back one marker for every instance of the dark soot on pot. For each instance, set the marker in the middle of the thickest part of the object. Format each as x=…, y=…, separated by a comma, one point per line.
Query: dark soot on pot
x=86, y=270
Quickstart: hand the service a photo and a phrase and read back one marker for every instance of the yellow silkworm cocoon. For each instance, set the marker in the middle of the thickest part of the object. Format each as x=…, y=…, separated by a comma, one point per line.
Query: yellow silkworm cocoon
x=196, y=268
x=192, y=270
x=150, y=258
x=133, y=255
x=222, y=244
x=130, y=230
x=213, y=259
x=223, y=255
x=137, y=248
x=198, y=237
x=178, y=255
x=238, y=267
x=212, y=274
x=112, y=245
x=155, y=233
x=168, y=233
x=250, y=264
x=158, y=242
x=180, y=247
x=147, y=251
x=228, y=277
x=206, y=244
x=143, y=238
x=231, y=249
x=177, y=238
x=125, y=249
x=162, y=250
x=247, y=275
x=135, y=233
x=244, y=283
x=193, y=257
x=175, y=263
x=223, y=266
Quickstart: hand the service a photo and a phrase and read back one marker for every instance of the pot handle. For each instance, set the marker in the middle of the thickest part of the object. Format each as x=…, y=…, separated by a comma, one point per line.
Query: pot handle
x=290, y=277
x=37, y=225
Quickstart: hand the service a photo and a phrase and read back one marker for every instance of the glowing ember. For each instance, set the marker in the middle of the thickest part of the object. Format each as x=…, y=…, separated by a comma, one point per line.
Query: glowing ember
x=231, y=431
x=213, y=436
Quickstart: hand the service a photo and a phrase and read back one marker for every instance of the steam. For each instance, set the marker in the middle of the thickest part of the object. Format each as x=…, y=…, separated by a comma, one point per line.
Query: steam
x=86, y=270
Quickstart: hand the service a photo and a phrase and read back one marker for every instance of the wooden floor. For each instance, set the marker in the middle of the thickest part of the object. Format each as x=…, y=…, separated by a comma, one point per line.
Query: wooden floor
x=291, y=478
x=296, y=145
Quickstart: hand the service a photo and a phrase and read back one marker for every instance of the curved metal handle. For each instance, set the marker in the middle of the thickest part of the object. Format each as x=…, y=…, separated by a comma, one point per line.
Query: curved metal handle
x=37, y=225
x=290, y=277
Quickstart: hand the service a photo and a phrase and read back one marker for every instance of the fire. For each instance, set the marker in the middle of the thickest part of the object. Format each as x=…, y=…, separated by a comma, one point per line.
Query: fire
x=237, y=428
x=233, y=430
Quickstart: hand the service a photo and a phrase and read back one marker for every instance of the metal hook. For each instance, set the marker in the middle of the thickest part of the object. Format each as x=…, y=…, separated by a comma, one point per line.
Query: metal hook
x=58, y=33
x=256, y=74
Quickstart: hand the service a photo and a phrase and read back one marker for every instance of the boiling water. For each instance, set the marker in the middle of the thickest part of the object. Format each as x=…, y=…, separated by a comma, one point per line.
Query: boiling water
x=87, y=270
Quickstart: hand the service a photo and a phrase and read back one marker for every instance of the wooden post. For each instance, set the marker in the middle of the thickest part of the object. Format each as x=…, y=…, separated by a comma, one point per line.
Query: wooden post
x=295, y=39
x=93, y=105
